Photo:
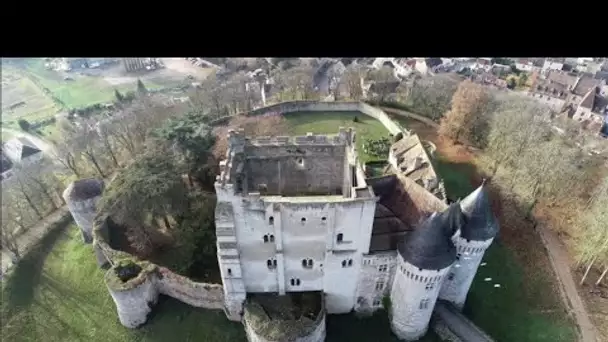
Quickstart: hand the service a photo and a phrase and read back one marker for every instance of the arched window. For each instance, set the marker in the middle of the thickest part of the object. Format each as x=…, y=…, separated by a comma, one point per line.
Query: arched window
x=265, y=238
x=350, y=262
x=229, y=271
x=339, y=237
x=310, y=262
x=271, y=238
x=343, y=263
x=304, y=263
x=297, y=282
x=303, y=220
x=323, y=219
x=293, y=282
x=269, y=263
x=274, y=263
x=271, y=220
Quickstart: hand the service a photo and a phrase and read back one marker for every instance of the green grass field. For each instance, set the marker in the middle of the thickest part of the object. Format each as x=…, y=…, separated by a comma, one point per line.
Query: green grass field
x=84, y=90
x=329, y=122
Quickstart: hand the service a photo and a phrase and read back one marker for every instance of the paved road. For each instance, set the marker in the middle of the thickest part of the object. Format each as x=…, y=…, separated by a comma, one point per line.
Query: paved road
x=561, y=265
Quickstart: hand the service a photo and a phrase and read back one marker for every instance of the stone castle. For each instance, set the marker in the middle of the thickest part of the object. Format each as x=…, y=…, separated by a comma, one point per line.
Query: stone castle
x=297, y=214
x=296, y=217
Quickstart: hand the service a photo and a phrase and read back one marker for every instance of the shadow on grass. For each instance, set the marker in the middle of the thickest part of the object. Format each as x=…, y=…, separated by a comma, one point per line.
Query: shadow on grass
x=194, y=324
x=457, y=177
x=18, y=291
x=351, y=328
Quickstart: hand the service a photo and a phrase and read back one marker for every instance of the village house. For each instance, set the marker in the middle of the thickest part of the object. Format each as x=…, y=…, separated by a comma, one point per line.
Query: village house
x=22, y=151
x=528, y=65
x=553, y=64
x=559, y=89
x=484, y=64
x=592, y=110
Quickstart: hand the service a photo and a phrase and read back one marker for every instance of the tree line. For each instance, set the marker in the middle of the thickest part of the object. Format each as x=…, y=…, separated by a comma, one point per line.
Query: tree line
x=529, y=160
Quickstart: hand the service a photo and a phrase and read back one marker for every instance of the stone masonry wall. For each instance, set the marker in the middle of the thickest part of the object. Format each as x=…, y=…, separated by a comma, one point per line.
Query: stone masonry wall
x=135, y=299
x=315, y=106
x=202, y=295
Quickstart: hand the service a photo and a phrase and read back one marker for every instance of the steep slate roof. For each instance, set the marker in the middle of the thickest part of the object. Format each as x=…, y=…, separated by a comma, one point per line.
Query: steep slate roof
x=413, y=160
x=83, y=189
x=430, y=246
x=585, y=84
x=27, y=147
x=589, y=99
x=480, y=222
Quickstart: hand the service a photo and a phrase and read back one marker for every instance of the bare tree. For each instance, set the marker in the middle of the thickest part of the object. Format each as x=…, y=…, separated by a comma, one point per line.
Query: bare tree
x=431, y=96
x=514, y=129
x=468, y=104
x=295, y=84
x=382, y=80
x=352, y=80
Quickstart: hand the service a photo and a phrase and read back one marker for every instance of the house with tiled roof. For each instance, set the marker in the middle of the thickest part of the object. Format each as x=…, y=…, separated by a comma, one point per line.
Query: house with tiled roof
x=592, y=110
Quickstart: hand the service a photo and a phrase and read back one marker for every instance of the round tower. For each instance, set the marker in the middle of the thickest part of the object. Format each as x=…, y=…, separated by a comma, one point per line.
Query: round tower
x=81, y=197
x=471, y=241
x=424, y=260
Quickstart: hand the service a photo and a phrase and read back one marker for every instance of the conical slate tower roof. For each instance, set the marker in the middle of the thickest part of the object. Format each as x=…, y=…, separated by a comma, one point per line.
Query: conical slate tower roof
x=430, y=246
x=480, y=222
x=83, y=189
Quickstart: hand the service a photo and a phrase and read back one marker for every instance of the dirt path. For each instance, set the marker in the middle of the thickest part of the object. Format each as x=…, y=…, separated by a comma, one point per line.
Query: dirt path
x=560, y=262
x=556, y=251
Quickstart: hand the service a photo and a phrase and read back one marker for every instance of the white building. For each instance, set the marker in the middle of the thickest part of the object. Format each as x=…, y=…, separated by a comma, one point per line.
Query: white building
x=296, y=214
x=22, y=151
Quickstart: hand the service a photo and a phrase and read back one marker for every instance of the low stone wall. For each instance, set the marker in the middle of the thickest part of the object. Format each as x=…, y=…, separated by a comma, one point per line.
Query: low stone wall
x=202, y=295
x=259, y=327
x=316, y=106
x=135, y=298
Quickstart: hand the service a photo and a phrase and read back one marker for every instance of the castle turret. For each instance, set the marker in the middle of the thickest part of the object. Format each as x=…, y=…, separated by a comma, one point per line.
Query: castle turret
x=423, y=261
x=81, y=197
x=471, y=242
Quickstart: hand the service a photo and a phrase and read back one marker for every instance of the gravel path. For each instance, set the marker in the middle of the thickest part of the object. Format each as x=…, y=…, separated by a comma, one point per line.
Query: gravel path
x=561, y=266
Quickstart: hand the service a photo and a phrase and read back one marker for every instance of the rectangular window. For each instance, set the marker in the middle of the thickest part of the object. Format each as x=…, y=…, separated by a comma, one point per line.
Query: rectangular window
x=424, y=304
x=383, y=268
x=430, y=286
x=380, y=286
x=376, y=302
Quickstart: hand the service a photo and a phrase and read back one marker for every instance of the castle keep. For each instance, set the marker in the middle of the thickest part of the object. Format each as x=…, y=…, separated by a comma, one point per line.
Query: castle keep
x=297, y=215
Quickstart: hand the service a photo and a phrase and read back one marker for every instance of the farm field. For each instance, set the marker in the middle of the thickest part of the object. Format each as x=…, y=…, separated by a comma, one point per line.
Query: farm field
x=85, y=90
x=21, y=98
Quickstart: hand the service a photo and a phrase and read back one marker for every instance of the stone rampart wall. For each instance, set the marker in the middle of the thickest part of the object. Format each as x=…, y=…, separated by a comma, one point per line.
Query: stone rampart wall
x=135, y=298
x=315, y=106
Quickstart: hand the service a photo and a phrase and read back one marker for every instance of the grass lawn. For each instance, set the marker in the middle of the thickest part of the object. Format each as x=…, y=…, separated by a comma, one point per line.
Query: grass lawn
x=525, y=307
x=328, y=123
